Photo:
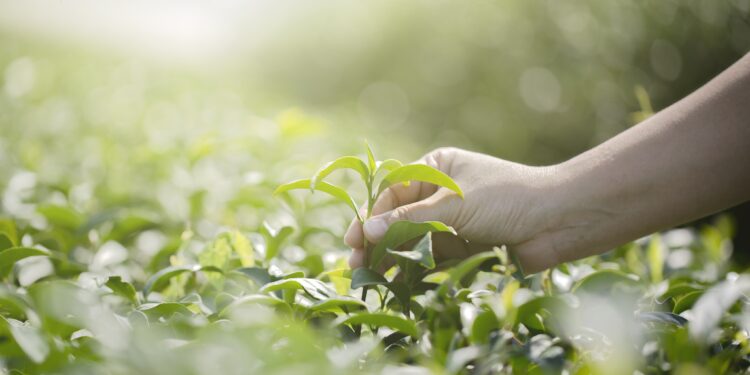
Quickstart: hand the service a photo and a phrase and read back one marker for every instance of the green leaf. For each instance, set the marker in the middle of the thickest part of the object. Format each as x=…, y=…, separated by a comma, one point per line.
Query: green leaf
x=157, y=311
x=388, y=165
x=393, y=322
x=338, y=303
x=9, y=257
x=661, y=317
x=12, y=306
x=274, y=238
x=325, y=187
x=419, y=172
x=468, y=265
x=686, y=301
x=604, y=281
x=528, y=313
x=402, y=231
x=160, y=279
x=29, y=338
x=655, y=255
x=122, y=289
x=366, y=277
x=401, y=291
x=243, y=248
x=8, y=234
x=421, y=253
x=61, y=216
x=344, y=162
x=259, y=275
x=314, y=287
x=483, y=325
x=708, y=311
x=678, y=290
x=253, y=299
x=371, y=159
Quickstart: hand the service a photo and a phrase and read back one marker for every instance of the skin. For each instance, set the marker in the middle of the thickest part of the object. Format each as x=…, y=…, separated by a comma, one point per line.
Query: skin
x=690, y=160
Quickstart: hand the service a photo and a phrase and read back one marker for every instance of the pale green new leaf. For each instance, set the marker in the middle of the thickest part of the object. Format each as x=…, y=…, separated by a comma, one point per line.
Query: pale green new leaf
x=419, y=172
x=387, y=165
x=325, y=187
x=345, y=162
x=371, y=159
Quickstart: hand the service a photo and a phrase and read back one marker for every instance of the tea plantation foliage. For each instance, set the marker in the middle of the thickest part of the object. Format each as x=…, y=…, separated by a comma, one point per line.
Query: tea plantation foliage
x=132, y=255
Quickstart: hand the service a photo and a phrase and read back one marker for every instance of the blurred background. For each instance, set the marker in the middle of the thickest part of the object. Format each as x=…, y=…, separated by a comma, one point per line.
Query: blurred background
x=188, y=114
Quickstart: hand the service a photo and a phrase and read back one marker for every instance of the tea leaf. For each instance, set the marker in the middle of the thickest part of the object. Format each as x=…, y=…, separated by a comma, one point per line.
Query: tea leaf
x=338, y=303
x=325, y=187
x=370, y=159
x=9, y=257
x=603, y=281
x=366, y=277
x=160, y=279
x=122, y=288
x=344, y=162
x=421, y=253
x=387, y=165
x=419, y=172
x=29, y=338
x=384, y=320
x=314, y=287
x=400, y=232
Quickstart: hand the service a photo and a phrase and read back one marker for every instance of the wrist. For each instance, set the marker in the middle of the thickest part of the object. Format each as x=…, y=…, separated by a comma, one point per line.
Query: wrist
x=575, y=214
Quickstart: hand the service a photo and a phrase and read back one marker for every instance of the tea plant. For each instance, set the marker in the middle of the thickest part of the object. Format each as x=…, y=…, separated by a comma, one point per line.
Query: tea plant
x=121, y=290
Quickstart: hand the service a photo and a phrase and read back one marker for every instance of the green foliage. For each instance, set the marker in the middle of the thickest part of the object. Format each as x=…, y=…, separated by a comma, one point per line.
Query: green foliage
x=122, y=289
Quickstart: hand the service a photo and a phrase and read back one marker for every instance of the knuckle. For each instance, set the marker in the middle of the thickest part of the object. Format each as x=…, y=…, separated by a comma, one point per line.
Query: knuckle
x=401, y=213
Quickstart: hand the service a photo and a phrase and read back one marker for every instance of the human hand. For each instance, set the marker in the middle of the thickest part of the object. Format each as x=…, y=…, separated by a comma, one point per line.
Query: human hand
x=504, y=204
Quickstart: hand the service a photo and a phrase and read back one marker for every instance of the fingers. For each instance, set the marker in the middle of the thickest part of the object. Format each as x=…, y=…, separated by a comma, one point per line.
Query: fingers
x=354, y=236
x=390, y=199
x=357, y=259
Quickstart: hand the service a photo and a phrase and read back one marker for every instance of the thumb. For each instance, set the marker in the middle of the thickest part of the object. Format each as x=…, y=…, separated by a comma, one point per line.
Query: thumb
x=425, y=210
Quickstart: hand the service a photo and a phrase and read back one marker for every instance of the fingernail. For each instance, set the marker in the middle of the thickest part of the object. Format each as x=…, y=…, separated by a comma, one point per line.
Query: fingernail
x=375, y=229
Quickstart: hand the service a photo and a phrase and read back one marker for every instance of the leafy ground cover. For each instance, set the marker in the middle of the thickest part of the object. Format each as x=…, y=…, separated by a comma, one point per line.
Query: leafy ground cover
x=97, y=282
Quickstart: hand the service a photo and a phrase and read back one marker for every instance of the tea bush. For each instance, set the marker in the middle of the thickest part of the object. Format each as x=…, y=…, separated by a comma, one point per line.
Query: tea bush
x=207, y=276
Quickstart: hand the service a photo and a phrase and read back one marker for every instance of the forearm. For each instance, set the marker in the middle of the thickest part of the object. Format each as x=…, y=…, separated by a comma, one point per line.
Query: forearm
x=689, y=160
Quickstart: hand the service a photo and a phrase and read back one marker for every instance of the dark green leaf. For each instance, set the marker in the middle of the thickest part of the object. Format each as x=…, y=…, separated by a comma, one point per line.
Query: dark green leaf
x=421, y=253
x=402, y=231
x=366, y=277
